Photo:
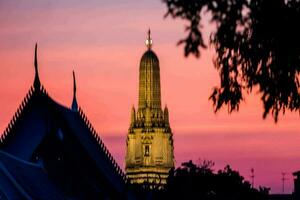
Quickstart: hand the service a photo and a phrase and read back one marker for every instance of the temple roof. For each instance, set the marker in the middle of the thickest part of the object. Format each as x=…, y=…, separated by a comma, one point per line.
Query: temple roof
x=34, y=119
x=24, y=180
x=37, y=116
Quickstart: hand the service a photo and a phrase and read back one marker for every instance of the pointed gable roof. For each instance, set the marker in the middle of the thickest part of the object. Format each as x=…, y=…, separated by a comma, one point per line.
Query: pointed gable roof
x=34, y=119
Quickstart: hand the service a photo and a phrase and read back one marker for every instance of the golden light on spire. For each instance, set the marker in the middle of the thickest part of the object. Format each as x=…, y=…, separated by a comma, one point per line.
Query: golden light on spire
x=149, y=144
x=149, y=40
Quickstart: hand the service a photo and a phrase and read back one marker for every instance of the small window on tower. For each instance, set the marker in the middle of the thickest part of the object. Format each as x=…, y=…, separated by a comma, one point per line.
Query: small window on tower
x=147, y=150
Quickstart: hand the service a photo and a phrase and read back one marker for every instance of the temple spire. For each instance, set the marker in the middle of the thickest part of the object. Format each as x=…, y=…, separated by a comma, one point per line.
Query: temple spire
x=133, y=117
x=74, y=103
x=166, y=115
x=149, y=78
x=149, y=40
x=36, y=83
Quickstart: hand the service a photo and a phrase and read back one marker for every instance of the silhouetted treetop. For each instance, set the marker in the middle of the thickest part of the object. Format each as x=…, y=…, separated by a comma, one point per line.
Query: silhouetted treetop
x=191, y=181
x=257, y=45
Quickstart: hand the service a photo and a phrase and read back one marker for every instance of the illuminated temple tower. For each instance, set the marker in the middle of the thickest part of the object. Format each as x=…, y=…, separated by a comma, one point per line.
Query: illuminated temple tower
x=149, y=155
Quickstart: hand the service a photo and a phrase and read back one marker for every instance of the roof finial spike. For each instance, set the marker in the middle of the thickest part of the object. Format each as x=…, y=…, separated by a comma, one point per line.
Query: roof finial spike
x=149, y=40
x=74, y=83
x=149, y=33
x=74, y=103
x=36, y=83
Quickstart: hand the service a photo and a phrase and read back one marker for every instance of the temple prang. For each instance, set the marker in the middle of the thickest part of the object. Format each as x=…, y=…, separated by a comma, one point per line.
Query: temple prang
x=149, y=155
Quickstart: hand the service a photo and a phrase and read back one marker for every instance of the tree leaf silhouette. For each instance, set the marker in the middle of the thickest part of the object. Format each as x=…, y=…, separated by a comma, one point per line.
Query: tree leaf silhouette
x=257, y=46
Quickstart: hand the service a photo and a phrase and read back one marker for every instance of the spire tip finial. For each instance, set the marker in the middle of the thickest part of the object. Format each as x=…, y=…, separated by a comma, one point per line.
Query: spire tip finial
x=35, y=57
x=74, y=103
x=74, y=83
x=149, y=40
x=36, y=83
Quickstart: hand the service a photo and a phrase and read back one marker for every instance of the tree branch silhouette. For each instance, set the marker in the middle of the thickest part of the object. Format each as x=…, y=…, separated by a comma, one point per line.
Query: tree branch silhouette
x=257, y=46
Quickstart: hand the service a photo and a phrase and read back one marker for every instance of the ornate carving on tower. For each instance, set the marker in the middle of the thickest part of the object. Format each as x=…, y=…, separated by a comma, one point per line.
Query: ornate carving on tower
x=149, y=155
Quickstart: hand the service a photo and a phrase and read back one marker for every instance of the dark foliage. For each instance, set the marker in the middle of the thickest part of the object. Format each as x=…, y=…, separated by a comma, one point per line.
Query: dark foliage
x=257, y=44
x=191, y=181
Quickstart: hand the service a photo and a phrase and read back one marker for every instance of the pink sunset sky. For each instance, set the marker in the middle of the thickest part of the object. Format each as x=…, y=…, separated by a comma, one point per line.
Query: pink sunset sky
x=103, y=42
